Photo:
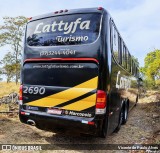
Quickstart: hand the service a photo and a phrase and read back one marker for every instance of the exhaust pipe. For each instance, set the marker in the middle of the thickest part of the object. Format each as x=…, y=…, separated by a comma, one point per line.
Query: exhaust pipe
x=31, y=122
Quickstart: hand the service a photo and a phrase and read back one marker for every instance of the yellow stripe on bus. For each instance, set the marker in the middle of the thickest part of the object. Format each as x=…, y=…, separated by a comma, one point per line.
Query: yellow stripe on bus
x=82, y=104
x=66, y=95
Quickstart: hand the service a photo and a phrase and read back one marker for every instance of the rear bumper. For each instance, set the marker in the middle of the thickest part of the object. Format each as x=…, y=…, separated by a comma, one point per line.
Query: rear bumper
x=62, y=123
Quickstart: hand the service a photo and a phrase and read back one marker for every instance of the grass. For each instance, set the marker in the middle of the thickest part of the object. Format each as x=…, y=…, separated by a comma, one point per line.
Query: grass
x=7, y=88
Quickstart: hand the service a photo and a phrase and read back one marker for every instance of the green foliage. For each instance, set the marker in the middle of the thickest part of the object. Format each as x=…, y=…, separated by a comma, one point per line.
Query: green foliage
x=9, y=66
x=152, y=65
x=0, y=74
x=11, y=33
x=151, y=69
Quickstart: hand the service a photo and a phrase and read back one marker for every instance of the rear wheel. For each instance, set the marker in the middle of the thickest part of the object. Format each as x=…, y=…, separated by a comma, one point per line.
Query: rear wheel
x=103, y=133
x=120, y=121
x=136, y=100
x=125, y=112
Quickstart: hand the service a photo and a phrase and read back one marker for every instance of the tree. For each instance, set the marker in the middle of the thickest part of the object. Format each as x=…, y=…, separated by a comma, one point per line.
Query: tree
x=0, y=74
x=9, y=66
x=11, y=33
x=151, y=69
x=152, y=65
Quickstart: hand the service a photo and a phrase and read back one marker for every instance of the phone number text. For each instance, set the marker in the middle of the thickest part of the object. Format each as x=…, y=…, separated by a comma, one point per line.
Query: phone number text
x=50, y=53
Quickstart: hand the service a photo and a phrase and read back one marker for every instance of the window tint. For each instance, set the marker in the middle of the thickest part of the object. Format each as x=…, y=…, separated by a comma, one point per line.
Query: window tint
x=129, y=62
x=133, y=67
x=124, y=63
x=115, y=43
x=137, y=72
x=64, y=30
x=120, y=50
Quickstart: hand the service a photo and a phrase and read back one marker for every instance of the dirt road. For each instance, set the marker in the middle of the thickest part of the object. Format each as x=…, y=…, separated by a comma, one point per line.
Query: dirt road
x=143, y=126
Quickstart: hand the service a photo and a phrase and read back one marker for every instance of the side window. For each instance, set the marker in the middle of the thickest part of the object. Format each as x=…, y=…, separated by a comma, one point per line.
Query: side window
x=129, y=62
x=115, y=42
x=137, y=72
x=120, y=50
x=133, y=67
x=124, y=56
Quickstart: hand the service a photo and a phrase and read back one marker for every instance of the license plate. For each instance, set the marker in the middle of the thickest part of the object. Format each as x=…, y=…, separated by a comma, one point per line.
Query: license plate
x=54, y=111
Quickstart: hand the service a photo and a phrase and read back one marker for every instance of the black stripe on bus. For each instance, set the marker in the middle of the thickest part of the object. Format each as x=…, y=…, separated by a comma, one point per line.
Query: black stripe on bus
x=90, y=109
x=77, y=99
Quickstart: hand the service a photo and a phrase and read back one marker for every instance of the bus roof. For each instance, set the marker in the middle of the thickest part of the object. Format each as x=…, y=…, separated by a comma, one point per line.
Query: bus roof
x=66, y=12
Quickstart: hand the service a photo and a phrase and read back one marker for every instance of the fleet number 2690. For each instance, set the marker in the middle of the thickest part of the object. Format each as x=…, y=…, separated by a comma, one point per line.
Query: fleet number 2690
x=34, y=90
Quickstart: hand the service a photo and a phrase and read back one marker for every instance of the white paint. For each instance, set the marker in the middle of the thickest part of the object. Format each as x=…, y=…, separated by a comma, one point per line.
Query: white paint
x=72, y=38
x=37, y=27
x=75, y=24
x=53, y=26
x=65, y=27
x=46, y=28
x=85, y=25
x=68, y=27
x=122, y=82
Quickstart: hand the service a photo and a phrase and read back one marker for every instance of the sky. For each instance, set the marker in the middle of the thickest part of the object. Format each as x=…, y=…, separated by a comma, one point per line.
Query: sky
x=138, y=21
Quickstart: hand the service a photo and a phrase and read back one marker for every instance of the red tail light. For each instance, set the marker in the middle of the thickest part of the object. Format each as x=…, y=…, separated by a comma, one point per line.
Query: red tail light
x=101, y=99
x=101, y=102
x=20, y=93
x=91, y=123
x=23, y=113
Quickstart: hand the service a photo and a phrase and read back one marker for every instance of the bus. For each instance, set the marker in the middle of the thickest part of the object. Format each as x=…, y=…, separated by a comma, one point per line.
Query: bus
x=77, y=73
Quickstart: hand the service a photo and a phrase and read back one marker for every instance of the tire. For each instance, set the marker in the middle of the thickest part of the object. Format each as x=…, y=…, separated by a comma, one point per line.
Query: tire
x=103, y=133
x=125, y=112
x=136, y=100
x=120, y=121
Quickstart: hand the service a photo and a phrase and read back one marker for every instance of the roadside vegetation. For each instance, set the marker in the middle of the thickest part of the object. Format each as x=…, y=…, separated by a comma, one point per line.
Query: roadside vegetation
x=7, y=88
x=151, y=70
x=11, y=35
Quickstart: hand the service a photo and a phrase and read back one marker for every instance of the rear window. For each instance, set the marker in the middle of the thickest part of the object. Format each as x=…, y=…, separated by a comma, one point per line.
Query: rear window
x=64, y=30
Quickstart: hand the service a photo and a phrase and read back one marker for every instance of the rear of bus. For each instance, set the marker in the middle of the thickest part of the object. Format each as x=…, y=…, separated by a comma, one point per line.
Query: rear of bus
x=60, y=72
